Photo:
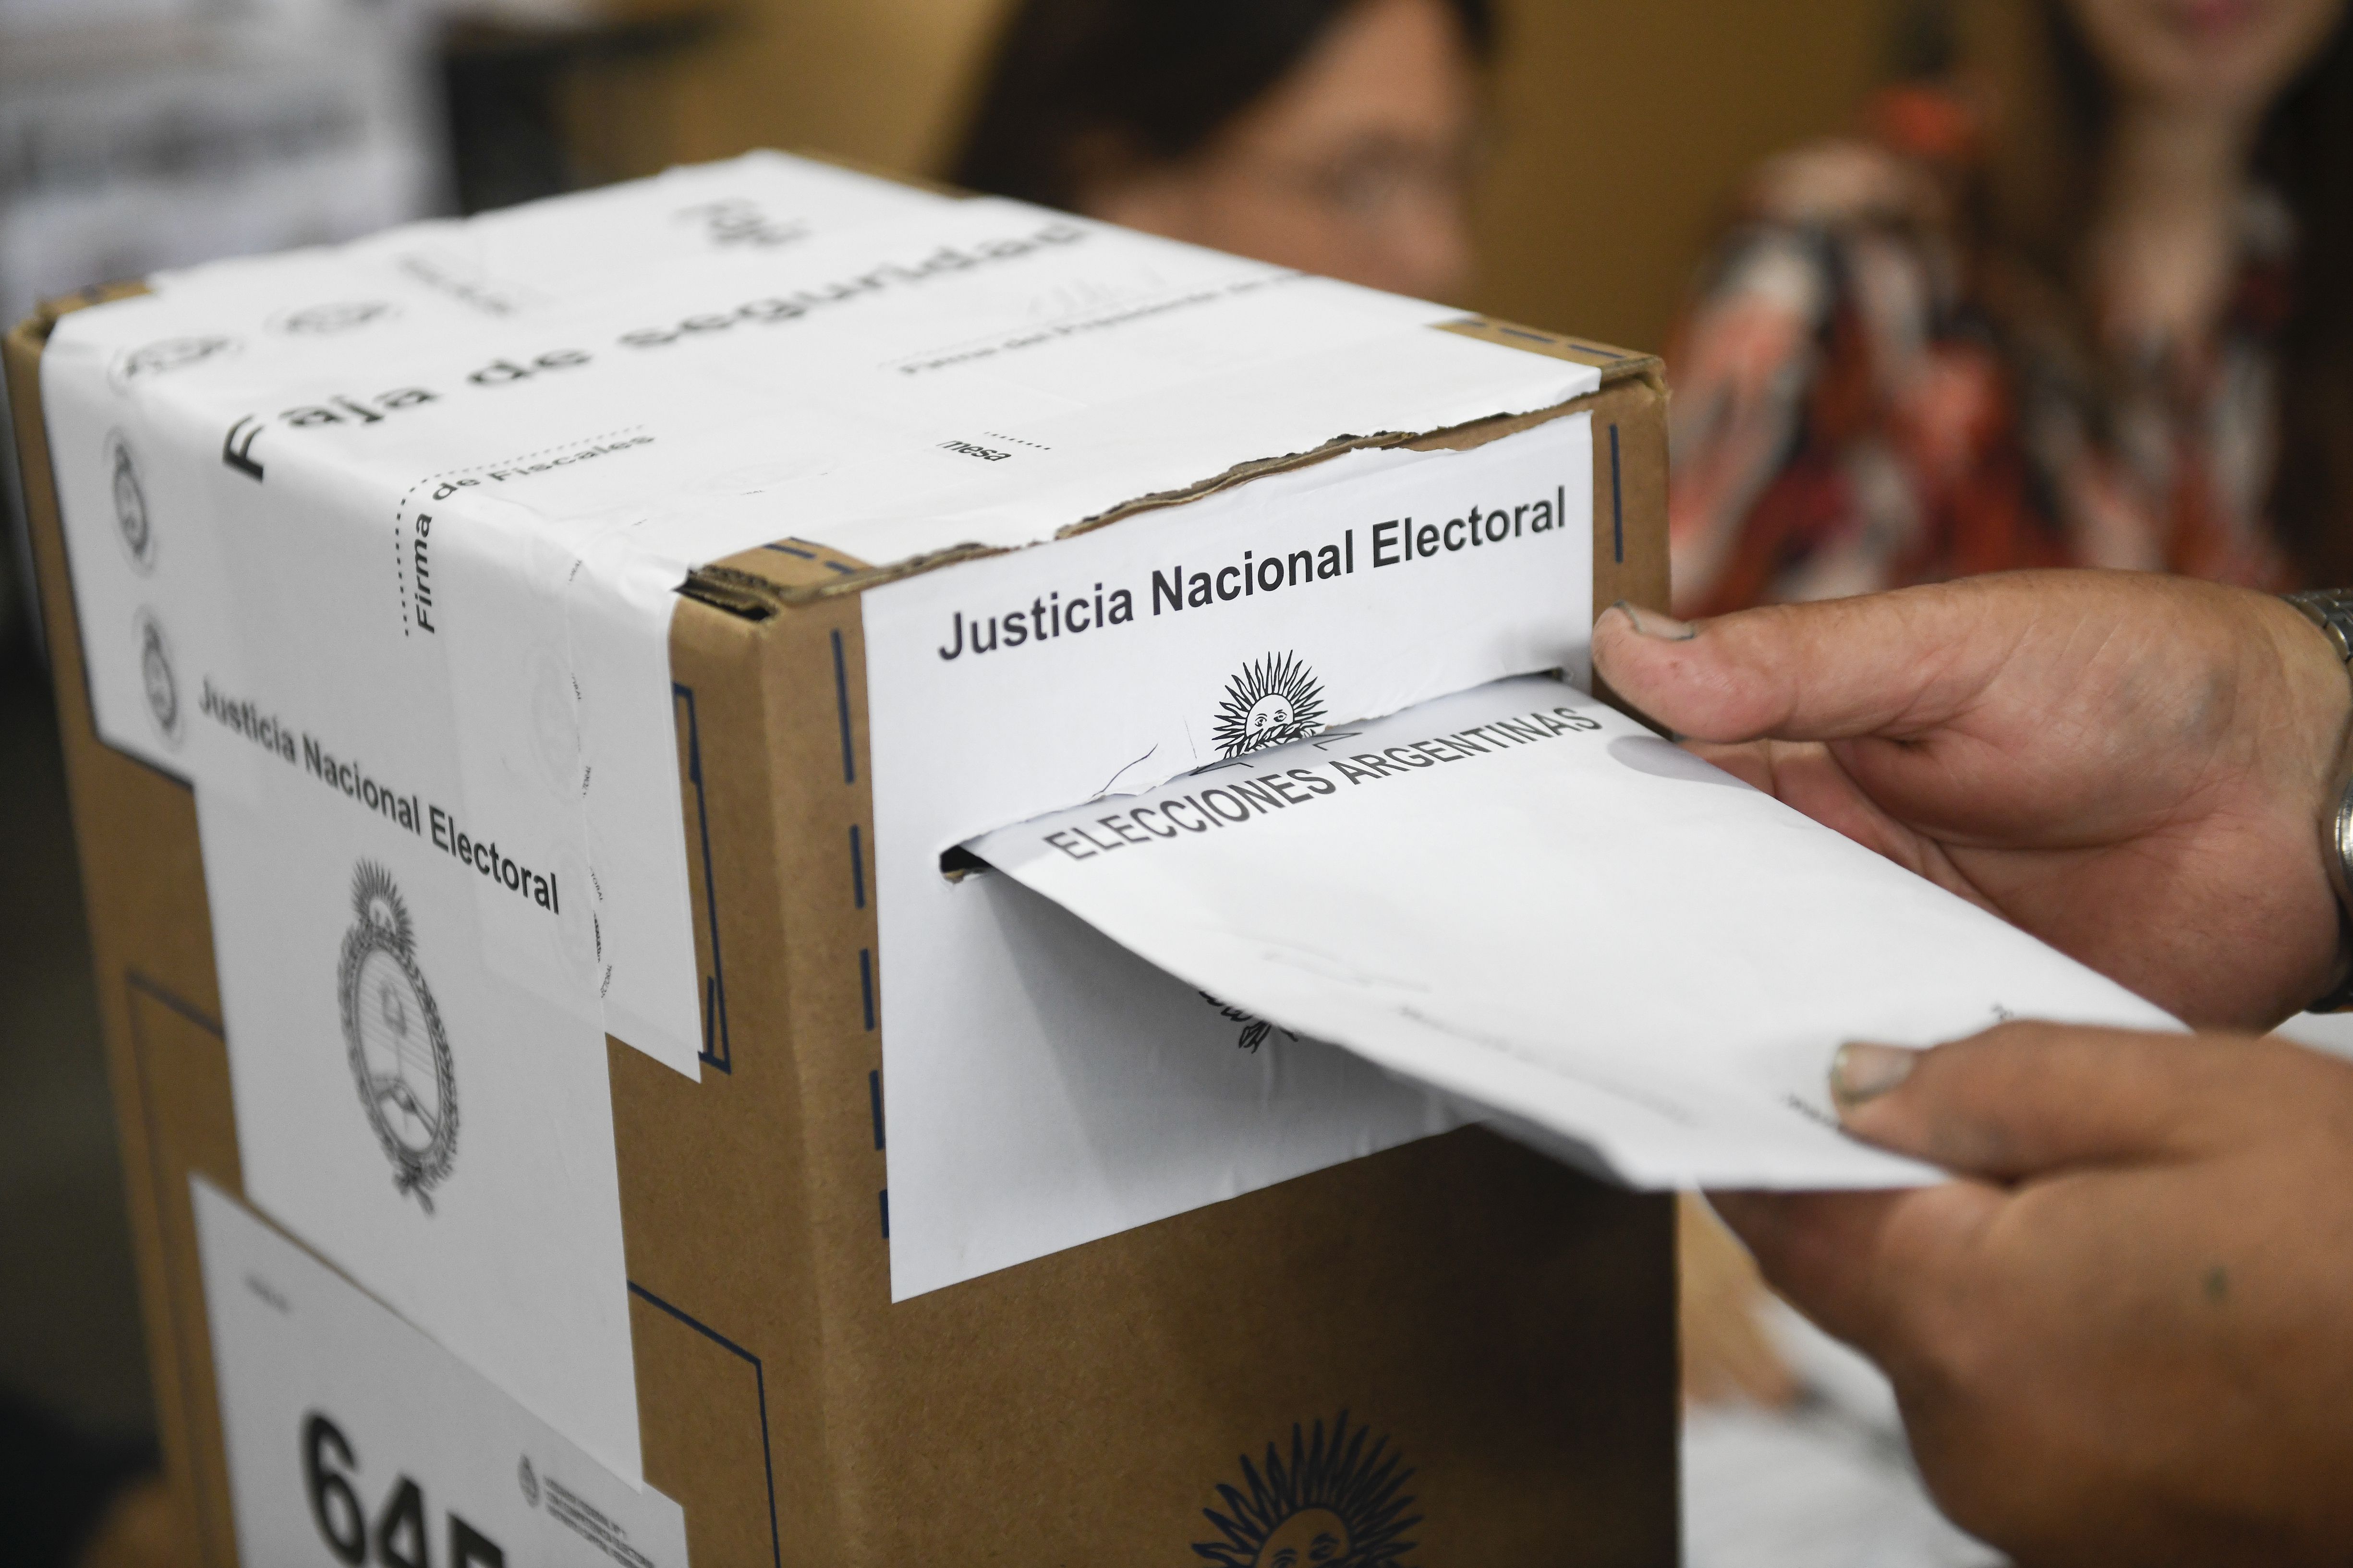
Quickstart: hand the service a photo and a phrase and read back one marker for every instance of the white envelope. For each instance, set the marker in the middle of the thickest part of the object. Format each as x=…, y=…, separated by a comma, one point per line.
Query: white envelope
x=1522, y=898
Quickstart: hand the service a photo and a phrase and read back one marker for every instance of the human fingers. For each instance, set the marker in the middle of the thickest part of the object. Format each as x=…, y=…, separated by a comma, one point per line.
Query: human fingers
x=2104, y=663
x=2028, y=1098
x=1835, y=669
x=2020, y=1100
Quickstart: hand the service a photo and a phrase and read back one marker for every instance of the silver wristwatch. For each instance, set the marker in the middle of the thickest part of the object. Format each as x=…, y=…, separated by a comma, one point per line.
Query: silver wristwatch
x=2331, y=609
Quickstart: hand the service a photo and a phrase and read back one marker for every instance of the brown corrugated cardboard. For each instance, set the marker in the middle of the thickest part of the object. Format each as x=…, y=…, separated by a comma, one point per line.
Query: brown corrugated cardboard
x=1499, y=1327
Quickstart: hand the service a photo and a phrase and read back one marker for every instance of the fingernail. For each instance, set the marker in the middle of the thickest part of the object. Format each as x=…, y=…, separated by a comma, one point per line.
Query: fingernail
x=1862, y=1071
x=1655, y=624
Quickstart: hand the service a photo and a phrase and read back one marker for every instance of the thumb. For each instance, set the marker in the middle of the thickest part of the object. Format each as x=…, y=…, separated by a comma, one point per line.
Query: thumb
x=2029, y=1098
x=1880, y=664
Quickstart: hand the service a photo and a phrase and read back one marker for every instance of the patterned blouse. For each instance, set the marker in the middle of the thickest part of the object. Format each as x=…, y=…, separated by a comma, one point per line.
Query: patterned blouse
x=1849, y=414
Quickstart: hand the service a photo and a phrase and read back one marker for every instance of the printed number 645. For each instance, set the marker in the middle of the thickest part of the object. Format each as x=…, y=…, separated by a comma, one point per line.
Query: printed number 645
x=329, y=1468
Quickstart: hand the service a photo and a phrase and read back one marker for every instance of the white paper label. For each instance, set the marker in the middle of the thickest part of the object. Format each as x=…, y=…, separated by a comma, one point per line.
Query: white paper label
x=430, y=1130
x=352, y=1439
x=1521, y=896
x=1043, y=1086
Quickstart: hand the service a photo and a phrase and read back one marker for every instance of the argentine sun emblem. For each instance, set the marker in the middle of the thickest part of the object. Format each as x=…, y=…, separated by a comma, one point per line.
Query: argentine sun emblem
x=1336, y=1500
x=391, y=1031
x=1273, y=700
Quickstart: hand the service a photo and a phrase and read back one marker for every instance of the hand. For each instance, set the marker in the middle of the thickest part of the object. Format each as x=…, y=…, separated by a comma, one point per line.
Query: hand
x=2124, y=1337
x=2131, y=767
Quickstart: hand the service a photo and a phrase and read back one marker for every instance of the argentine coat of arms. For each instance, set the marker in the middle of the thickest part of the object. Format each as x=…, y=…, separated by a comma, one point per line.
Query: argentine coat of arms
x=392, y=1032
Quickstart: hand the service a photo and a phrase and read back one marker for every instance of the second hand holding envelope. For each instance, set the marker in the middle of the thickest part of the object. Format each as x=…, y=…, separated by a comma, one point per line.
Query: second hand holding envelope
x=1521, y=896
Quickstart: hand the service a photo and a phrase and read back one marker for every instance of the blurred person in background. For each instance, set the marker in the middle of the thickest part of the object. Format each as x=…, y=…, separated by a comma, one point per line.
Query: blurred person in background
x=1334, y=136
x=2083, y=303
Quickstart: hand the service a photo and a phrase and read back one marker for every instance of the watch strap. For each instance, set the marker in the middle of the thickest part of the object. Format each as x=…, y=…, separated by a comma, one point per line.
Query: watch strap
x=2331, y=609
x=2340, y=996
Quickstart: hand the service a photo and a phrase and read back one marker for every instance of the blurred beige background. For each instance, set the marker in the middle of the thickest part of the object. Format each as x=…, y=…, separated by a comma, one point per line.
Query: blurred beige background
x=1622, y=128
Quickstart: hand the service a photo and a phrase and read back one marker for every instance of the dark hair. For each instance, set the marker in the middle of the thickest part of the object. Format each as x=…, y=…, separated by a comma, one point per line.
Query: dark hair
x=2057, y=112
x=1149, y=79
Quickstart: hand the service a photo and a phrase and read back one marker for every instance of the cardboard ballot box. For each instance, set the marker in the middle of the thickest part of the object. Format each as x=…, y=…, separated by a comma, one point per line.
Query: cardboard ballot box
x=521, y=718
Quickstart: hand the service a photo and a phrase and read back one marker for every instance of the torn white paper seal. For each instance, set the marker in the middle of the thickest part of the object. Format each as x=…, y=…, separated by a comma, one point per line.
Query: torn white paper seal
x=1524, y=899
